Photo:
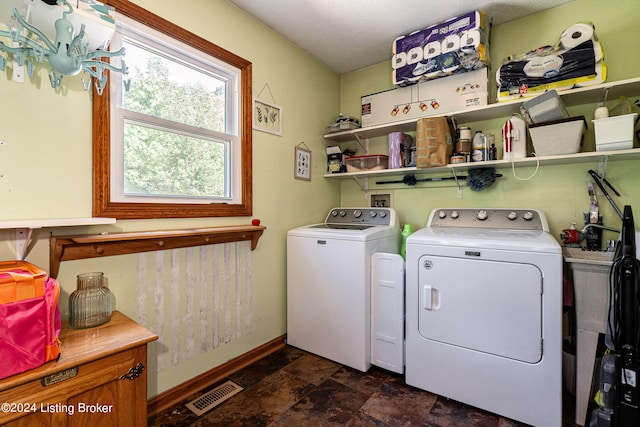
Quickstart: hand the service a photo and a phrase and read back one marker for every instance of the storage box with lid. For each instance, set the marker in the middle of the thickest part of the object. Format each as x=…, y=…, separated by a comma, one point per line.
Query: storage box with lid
x=366, y=163
x=343, y=123
x=558, y=137
x=545, y=107
x=614, y=133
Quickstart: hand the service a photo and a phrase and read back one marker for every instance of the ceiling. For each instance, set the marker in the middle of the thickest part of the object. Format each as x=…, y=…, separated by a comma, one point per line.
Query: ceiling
x=353, y=34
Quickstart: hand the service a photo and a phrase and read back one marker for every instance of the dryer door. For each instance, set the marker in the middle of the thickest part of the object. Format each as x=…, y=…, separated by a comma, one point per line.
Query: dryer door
x=494, y=307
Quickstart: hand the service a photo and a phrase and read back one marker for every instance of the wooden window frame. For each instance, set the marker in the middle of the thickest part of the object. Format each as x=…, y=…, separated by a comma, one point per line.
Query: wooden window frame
x=102, y=204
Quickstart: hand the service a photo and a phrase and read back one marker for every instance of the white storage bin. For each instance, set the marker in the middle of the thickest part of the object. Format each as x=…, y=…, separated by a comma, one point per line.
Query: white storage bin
x=558, y=137
x=614, y=133
x=546, y=107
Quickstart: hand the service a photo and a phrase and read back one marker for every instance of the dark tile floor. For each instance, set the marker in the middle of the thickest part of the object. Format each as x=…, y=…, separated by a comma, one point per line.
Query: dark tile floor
x=293, y=388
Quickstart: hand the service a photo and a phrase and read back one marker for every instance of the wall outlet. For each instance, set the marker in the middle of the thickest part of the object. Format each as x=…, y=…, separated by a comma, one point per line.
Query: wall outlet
x=381, y=200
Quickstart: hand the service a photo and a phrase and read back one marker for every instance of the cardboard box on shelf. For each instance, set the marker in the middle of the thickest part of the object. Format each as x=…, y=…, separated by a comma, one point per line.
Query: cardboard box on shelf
x=334, y=160
x=430, y=98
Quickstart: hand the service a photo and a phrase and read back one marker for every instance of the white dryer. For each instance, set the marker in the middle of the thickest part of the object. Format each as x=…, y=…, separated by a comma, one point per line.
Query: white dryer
x=329, y=282
x=484, y=312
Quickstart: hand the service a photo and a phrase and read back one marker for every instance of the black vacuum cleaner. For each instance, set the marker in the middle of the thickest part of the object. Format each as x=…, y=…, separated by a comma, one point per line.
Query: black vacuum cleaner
x=625, y=277
x=619, y=405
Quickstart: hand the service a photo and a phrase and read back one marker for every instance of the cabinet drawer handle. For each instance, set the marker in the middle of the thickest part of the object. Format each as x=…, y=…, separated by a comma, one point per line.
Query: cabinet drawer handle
x=133, y=373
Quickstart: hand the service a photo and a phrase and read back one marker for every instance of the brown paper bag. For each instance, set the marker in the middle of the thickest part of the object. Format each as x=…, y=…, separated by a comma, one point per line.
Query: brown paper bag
x=434, y=142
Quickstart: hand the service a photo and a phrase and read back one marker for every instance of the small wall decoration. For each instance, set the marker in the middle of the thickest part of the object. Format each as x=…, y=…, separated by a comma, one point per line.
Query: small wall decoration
x=302, y=165
x=267, y=116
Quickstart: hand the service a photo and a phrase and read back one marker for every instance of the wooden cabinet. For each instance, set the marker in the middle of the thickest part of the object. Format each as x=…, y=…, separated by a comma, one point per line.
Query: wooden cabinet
x=99, y=380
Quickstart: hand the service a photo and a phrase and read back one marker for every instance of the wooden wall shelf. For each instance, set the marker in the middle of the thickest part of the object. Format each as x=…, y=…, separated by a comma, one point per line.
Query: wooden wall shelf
x=67, y=248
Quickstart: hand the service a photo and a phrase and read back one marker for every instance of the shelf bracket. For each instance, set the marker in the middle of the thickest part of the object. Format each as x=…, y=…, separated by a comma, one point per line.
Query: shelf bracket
x=23, y=241
x=364, y=146
x=602, y=165
x=602, y=169
x=364, y=185
x=458, y=183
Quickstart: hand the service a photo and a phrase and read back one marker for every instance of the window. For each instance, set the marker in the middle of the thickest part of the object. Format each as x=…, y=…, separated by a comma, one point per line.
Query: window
x=178, y=142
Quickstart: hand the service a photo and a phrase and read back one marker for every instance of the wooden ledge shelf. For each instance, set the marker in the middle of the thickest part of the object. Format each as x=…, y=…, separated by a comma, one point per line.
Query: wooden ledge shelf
x=67, y=248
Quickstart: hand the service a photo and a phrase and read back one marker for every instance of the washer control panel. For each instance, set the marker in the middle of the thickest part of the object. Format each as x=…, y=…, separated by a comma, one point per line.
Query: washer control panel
x=367, y=216
x=498, y=218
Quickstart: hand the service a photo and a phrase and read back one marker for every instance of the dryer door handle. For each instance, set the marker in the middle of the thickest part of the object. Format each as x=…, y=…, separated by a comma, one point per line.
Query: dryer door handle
x=430, y=297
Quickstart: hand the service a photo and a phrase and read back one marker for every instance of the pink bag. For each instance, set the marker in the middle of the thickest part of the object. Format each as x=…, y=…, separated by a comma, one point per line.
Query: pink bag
x=29, y=317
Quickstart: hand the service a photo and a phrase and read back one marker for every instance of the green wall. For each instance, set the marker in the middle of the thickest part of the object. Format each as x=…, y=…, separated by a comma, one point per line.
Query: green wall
x=45, y=163
x=559, y=191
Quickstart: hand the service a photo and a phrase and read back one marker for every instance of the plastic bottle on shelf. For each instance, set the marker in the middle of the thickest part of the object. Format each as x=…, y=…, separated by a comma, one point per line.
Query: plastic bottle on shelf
x=490, y=142
x=479, y=147
x=406, y=232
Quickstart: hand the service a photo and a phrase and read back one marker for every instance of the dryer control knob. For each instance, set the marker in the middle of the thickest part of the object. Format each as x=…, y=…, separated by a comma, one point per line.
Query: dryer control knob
x=442, y=214
x=512, y=215
x=357, y=213
x=383, y=214
x=455, y=214
x=342, y=213
x=373, y=214
x=482, y=215
x=528, y=216
x=334, y=213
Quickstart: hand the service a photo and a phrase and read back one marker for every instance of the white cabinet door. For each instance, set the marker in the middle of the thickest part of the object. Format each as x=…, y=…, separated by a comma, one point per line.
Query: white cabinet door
x=387, y=311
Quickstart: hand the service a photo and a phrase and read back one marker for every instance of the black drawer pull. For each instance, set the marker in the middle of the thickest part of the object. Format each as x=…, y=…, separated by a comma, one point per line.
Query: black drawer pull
x=133, y=373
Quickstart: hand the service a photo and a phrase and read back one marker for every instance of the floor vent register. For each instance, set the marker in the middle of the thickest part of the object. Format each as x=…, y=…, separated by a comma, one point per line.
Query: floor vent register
x=214, y=397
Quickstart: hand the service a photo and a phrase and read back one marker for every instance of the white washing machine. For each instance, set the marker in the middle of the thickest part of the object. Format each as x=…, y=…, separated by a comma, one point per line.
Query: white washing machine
x=484, y=312
x=328, y=282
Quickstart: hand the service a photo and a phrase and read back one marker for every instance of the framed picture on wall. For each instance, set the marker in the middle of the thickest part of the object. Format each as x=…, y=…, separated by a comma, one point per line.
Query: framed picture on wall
x=302, y=166
x=267, y=116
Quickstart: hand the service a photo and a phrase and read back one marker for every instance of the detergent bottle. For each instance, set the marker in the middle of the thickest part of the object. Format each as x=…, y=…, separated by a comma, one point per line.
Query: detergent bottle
x=406, y=232
x=479, y=149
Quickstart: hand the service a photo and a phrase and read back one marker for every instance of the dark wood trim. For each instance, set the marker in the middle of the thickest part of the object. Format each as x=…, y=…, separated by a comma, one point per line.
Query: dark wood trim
x=102, y=204
x=67, y=248
x=165, y=400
